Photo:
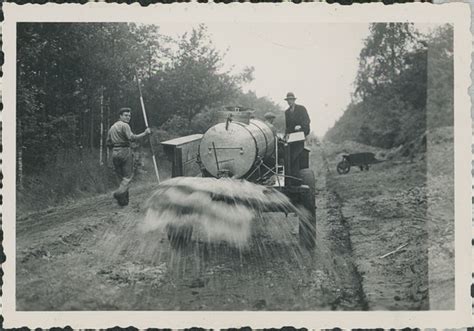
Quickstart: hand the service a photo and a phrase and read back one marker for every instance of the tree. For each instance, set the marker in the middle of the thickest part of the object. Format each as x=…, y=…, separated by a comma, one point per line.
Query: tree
x=383, y=57
x=193, y=80
x=404, y=86
x=440, y=84
x=59, y=81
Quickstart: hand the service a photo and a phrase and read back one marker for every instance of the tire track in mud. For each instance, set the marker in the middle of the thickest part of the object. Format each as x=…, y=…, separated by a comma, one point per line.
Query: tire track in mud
x=336, y=237
x=342, y=232
x=62, y=230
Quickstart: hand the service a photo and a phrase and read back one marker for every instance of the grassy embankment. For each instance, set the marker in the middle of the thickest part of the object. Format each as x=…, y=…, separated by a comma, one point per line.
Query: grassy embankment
x=73, y=176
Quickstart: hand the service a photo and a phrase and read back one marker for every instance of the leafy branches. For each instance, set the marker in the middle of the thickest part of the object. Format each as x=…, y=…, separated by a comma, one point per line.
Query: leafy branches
x=383, y=57
x=65, y=69
x=404, y=85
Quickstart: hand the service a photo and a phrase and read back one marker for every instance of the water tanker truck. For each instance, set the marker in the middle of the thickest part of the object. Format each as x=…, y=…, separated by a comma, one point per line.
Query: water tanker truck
x=244, y=148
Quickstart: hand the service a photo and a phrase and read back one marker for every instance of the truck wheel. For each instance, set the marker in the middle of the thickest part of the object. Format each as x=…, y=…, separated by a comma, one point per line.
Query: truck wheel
x=179, y=236
x=307, y=226
x=343, y=167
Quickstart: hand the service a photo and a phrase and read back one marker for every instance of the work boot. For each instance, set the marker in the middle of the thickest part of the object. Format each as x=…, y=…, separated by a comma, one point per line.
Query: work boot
x=122, y=198
x=125, y=199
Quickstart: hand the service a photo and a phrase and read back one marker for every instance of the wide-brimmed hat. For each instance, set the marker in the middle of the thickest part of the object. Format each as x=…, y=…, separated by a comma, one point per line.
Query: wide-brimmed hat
x=290, y=96
x=269, y=115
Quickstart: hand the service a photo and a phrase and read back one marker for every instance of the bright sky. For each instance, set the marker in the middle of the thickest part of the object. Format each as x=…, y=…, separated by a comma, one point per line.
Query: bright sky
x=317, y=61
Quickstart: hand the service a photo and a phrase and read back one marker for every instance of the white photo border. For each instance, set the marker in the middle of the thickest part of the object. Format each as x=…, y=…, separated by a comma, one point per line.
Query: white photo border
x=457, y=14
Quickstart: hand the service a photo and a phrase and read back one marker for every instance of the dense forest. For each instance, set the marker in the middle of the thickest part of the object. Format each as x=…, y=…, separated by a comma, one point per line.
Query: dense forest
x=73, y=78
x=403, y=87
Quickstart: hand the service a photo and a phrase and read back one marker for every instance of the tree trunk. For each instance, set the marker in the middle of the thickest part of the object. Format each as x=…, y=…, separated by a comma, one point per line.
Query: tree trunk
x=107, y=125
x=91, y=136
x=101, y=126
x=19, y=160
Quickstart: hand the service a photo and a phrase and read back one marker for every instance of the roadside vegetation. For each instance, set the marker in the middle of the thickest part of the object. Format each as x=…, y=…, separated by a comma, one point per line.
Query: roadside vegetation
x=404, y=86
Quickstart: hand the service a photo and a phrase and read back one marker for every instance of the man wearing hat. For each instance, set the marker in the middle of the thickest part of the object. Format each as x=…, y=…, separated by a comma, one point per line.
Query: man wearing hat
x=269, y=118
x=119, y=138
x=296, y=116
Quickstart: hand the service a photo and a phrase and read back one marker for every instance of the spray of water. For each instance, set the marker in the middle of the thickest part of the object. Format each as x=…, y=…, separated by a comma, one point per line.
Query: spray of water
x=220, y=209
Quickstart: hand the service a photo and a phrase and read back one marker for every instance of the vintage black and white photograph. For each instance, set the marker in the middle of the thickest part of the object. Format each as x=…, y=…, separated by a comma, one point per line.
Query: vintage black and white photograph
x=208, y=165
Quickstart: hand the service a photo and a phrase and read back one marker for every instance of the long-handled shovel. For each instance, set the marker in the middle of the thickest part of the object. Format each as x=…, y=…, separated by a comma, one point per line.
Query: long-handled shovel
x=146, y=124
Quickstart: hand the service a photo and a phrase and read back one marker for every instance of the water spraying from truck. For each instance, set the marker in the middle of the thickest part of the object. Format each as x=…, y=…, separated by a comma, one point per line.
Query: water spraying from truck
x=221, y=209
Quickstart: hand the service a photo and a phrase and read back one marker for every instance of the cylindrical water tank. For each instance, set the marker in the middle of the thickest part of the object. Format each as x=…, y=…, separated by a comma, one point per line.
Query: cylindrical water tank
x=235, y=147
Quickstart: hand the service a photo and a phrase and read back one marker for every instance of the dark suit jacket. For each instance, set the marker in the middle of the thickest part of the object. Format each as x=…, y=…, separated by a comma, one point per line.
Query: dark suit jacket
x=299, y=116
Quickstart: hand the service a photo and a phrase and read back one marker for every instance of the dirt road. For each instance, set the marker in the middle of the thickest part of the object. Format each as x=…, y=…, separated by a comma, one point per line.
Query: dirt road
x=89, y=256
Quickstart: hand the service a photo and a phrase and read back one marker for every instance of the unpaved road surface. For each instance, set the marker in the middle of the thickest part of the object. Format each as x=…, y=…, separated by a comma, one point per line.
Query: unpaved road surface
x=89, y=255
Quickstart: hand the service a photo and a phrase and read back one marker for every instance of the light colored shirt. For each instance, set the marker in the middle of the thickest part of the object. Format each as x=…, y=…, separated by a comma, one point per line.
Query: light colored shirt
x=120, y=134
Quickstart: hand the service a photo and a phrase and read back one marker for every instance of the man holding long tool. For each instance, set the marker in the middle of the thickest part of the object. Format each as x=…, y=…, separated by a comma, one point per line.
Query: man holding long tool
x=119, y=138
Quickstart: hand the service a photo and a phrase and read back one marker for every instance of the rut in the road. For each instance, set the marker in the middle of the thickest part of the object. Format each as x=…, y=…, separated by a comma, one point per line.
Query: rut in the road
x=335, y=248
x=343, y=245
